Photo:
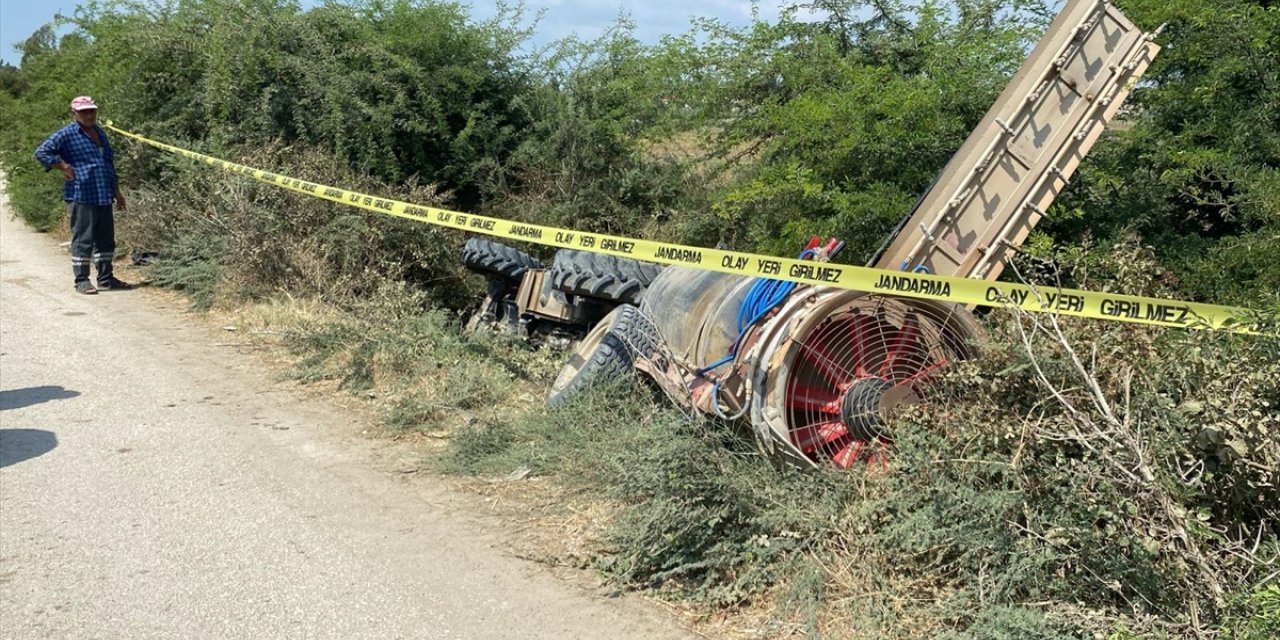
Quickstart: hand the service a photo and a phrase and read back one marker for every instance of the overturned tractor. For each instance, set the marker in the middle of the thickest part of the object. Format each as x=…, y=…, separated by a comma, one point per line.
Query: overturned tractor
x=819, y=373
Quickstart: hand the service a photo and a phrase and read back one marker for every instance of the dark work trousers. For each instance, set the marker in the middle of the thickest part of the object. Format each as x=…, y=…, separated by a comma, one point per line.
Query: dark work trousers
x=93, y=237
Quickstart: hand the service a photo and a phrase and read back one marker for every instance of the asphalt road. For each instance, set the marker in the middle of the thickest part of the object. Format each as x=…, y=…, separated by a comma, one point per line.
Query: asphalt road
x=154, y=484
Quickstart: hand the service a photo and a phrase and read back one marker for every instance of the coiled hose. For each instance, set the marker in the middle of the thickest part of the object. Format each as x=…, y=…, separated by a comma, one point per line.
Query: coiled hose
x=761, y=298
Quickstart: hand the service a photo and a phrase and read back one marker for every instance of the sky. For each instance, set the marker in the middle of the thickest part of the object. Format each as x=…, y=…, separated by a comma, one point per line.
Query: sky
x=587, y=18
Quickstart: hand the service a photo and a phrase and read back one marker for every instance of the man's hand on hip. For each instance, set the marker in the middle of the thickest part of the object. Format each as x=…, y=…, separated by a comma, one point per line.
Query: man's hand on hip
x=67, y=171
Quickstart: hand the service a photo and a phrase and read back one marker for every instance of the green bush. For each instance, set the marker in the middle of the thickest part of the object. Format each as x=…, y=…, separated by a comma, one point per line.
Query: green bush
x=1197, y=175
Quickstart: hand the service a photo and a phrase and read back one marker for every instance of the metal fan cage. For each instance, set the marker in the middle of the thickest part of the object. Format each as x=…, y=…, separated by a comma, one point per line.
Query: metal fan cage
x=842, y=364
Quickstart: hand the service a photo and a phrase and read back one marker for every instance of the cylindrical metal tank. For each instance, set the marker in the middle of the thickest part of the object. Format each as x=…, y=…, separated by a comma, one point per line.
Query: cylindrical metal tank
x=696, y=312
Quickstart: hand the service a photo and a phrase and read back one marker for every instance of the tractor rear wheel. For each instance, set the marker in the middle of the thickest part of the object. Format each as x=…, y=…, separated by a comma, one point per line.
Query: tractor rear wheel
x=609, y=352
x=497, y=260
x=601, y=276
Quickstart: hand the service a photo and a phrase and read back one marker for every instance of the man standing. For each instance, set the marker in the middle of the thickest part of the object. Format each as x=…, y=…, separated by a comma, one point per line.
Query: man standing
x=83, y=154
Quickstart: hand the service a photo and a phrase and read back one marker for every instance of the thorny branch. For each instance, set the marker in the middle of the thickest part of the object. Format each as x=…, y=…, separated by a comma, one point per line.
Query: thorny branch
x=1113, y=435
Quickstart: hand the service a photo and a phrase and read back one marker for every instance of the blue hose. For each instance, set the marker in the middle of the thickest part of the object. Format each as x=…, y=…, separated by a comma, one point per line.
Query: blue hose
x=761, y=298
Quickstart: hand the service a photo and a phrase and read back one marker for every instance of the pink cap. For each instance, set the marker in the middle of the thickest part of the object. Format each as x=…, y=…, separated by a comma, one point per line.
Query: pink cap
x=80, y=103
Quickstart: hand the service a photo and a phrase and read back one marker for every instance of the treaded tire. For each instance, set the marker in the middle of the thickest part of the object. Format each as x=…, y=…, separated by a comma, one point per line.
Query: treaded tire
x=496, y=259
x=609, y=352
x=601, y=276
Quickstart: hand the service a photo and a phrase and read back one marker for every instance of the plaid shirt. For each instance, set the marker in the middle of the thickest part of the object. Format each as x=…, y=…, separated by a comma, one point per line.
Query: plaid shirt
x=95, y=168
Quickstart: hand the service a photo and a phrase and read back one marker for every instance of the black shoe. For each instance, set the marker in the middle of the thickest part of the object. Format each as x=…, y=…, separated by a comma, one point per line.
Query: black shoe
x=86, y=288
x=114, y=284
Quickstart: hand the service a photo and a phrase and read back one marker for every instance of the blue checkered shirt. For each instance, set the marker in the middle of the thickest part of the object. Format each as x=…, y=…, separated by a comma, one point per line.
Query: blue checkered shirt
x=95, y=167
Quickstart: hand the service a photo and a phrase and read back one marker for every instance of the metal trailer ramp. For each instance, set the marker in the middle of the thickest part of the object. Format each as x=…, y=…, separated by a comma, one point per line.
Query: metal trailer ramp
x=1019, y=158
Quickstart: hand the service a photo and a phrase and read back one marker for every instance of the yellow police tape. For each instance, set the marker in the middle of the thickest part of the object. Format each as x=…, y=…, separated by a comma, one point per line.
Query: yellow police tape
x=966, y=291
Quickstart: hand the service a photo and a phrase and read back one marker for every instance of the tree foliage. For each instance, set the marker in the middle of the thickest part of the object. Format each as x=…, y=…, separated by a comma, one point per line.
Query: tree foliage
x=1197, y=176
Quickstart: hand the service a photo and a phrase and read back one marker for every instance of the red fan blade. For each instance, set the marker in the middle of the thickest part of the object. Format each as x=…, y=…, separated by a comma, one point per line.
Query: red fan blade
x=818, y=354
x=816, y=435
x=860, y=343
x=925, y=371
x=812, y=398
x=849, y=454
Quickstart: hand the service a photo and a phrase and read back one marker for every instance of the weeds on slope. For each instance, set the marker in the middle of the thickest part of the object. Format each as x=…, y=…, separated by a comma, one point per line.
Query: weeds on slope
x=223, y=236
x=1116, y=493
x=1126, y=490
x=425, y=373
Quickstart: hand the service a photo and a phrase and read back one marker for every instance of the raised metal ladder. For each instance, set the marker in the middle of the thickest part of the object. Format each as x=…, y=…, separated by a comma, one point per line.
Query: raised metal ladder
x=1016, y=162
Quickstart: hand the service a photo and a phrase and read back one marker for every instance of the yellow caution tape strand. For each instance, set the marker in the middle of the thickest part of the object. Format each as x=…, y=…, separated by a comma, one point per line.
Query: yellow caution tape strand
x=965, y=291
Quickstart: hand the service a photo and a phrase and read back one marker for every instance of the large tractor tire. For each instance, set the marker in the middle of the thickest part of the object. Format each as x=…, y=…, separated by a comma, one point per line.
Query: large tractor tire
x=497, y=260
x=600, y=276
x=609, y=352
